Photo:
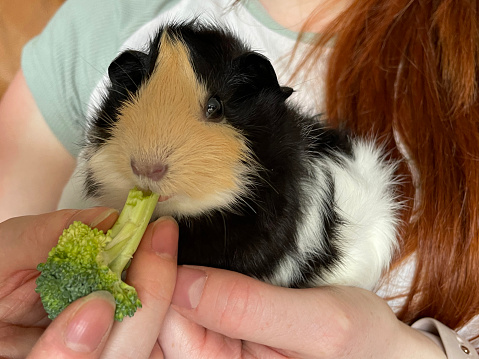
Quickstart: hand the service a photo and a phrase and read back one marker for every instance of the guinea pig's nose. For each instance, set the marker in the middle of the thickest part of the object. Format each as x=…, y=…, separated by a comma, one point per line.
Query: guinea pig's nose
x=154, y=171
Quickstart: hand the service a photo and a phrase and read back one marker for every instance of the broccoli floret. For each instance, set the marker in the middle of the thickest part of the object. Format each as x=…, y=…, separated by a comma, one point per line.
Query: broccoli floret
x=86, y=260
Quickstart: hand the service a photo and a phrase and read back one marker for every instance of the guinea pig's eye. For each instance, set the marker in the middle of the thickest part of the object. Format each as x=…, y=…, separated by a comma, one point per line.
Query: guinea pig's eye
x=214, y=109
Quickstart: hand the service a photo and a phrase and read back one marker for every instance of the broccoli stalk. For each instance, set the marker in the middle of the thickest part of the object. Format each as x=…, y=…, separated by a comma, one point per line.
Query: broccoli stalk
x=86, y=259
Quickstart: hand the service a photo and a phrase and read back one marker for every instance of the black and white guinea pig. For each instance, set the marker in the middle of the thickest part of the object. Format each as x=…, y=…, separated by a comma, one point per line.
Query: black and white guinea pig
x=256, y=186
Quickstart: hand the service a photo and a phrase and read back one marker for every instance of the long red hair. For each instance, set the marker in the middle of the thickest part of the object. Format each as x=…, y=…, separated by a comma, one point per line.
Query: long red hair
x=408, y=70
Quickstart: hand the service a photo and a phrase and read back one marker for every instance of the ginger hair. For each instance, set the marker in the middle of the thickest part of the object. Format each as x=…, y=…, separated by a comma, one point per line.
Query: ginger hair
x=407, y=70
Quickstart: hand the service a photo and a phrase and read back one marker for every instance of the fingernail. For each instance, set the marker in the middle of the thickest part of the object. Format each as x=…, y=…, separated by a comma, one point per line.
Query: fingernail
x=190, y=283
x=90, y=323
x=102, y=216
x=164, y=240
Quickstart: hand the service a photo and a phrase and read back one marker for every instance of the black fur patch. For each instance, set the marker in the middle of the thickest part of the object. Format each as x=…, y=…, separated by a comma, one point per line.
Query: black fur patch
x=92, y=188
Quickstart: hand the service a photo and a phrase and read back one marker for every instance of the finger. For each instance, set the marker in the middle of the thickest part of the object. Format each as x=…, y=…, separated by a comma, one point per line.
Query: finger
x=297, y=321
x=17, y=341
x=181, y=338
x=80, y=331
x=156, y=353
x=153, y=274
x=26, y=241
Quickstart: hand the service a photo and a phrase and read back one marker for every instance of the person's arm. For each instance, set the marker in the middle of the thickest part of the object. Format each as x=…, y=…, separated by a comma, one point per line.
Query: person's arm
x=34, y=165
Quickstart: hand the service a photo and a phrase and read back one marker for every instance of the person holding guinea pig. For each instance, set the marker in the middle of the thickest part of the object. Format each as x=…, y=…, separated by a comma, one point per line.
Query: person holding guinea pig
x=404, y=72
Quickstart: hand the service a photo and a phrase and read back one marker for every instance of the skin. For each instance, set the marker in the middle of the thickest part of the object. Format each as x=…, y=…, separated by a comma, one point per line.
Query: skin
x=29, y=154
x=293, y=14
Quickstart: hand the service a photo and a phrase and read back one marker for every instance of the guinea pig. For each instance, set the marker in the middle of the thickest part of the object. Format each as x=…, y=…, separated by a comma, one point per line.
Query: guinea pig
x=256, y=186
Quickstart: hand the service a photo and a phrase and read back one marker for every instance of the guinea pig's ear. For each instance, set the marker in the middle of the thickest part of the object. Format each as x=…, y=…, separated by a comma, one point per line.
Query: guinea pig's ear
x=259, y=72
x=128, y=70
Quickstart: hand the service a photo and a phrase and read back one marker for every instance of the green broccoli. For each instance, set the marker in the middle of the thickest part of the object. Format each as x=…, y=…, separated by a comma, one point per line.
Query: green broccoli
x=86, y=260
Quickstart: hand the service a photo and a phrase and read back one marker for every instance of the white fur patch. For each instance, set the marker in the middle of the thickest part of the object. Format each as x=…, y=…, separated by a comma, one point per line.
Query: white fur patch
x=309, y=236
x=366, y=201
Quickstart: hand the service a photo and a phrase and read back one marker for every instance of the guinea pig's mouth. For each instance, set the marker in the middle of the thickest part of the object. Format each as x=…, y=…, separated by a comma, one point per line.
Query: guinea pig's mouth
x=163, y=198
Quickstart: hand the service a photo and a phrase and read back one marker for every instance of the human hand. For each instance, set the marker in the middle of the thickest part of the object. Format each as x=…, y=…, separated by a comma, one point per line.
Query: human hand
x=221, y=314
x=85, y=329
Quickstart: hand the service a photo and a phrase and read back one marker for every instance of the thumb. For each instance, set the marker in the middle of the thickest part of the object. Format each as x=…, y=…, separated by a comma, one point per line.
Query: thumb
x=80, y=331
x=26, y=241
x=296, y=321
